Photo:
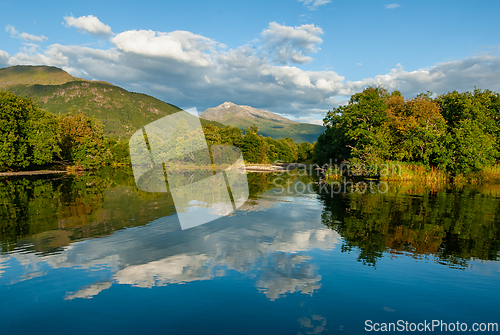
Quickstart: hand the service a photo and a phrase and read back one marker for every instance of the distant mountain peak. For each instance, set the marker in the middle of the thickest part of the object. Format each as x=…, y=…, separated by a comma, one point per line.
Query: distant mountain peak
x=226, y=105
x=270, y=124
x=231, y=114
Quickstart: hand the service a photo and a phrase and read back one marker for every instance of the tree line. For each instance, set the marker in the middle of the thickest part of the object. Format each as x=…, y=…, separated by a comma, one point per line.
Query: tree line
x=31, y=137
x=257, y=148
x=456, y=132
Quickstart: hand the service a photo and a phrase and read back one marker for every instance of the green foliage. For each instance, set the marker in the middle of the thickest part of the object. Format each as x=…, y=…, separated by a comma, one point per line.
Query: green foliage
x=457, y=132
x=256, y=148
x=83, y=141
x=416, y=129
x=452, y=225
x=354, y=130
x=120, y=151
x=253, y=147
x=121, y=112
x=28, y=135
x=305, y=151
x=473, y=130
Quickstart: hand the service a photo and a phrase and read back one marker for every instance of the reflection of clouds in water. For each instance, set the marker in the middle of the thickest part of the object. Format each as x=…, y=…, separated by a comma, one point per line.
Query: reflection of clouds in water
x=175, y=269
x=323, y=238
x=288, y=273
x=282, y=272
x=30, y=264
x=71, y=257
x=314, y=325
x=268, y=245
x=89, y=291
x=3, y=265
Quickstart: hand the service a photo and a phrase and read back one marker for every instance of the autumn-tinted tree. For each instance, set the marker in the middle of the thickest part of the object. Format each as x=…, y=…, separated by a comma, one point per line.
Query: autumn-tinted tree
x=417, y=128
x=83, y=141
x=458, y=132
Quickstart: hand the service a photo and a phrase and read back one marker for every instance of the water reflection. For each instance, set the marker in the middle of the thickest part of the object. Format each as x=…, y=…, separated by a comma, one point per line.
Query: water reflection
x=267, y=239
x=450, y=226
x=54, y=224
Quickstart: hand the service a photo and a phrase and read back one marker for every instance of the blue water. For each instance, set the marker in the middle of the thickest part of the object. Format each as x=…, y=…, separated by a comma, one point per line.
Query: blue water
x=272, y=267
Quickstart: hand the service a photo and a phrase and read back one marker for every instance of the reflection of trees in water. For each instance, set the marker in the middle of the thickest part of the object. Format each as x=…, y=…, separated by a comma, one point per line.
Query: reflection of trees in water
x=452, y=225
x=51, y=212
x=265, y=249
x=258, y=183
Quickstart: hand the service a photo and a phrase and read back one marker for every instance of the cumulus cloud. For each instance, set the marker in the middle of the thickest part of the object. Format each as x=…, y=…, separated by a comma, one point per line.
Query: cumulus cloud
x=88, y=24
x=187, y=69
x=481, y=71
x=291, y=44
x=182, y=46
x=4, y=58
x=313, y=4
x=24, y=36
x=392, y=6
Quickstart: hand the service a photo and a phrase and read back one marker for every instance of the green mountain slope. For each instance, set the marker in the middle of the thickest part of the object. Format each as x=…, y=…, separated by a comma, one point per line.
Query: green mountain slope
x=31, y=75
x=122, y=112
x=269, y=124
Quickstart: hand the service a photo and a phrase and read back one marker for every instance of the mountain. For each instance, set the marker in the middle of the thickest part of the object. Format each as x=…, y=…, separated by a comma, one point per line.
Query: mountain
x=31, y=75
x=269, y=124
x=122, y=112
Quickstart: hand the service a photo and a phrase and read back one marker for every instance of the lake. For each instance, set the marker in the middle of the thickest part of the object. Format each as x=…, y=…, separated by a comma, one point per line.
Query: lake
x=91, y=253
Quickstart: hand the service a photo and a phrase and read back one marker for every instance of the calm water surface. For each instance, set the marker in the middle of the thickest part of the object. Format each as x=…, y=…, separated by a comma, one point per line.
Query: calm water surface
x=92, y=254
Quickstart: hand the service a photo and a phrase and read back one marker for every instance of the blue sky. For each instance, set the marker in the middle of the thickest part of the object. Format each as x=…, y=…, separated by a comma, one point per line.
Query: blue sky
x=296, y=58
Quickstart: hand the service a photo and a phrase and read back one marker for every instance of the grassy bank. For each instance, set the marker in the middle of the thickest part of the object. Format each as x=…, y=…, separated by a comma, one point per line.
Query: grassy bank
x=412, y=172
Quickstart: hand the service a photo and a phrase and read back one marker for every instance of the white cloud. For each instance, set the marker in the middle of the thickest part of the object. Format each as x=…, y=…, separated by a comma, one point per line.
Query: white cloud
x=291, y=44
x=359, y=64
x=89, y=24
x=461, y=75
x=197, y=71
x=4, y=58
x=313, y=4
x=392, y=6
x=24, y=36
x=181, y=46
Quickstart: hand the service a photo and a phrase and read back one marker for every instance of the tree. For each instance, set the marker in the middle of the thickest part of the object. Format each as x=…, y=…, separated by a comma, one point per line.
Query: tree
x=417, y=128
x=355, y=130
x=253, y=147
x=473, y=130
x=305, y=151
x=28, y=135
x=83, y=141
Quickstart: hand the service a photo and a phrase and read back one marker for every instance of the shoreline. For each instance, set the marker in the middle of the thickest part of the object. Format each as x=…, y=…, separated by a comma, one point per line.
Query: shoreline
x=273, y=167
x=29, y=173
